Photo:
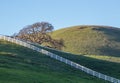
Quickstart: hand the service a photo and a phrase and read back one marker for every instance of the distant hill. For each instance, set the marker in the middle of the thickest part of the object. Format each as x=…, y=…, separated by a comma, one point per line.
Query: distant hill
x=92, y=40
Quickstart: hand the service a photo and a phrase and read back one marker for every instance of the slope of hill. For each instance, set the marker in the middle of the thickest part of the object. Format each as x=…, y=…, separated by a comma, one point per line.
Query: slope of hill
x=111, y=67
x=92, y=40
x=22, y=65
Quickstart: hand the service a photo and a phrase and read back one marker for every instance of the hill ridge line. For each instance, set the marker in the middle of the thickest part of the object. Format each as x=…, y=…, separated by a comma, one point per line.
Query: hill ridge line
x=59, y=58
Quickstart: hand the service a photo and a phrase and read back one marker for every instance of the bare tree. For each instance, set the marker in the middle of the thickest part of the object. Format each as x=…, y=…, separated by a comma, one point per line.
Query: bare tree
x=38, y=33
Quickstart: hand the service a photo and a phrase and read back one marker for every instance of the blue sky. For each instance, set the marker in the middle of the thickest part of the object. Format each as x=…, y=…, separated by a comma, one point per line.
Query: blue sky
x=15, y=14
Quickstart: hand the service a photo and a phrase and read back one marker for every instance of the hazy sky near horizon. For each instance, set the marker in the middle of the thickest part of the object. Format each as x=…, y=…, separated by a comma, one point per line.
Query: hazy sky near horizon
x=15, y=14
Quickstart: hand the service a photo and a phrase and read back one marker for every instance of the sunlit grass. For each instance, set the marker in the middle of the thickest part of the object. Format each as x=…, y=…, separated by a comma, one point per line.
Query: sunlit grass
x=91, y=40
x=106, y=58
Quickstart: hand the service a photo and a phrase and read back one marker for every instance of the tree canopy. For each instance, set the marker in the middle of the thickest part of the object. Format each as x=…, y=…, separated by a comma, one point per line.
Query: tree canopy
x=38, y=33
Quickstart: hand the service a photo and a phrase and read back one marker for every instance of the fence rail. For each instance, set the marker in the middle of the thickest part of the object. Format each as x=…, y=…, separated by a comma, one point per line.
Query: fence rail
x=59, y=58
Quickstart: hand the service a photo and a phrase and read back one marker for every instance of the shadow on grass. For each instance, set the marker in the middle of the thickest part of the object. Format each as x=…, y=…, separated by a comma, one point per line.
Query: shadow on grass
x=105, y=67
x=113, y=33
x=110, y=51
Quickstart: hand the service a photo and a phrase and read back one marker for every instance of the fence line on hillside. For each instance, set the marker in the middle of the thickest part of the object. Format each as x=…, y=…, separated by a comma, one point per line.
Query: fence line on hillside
x=59, y=58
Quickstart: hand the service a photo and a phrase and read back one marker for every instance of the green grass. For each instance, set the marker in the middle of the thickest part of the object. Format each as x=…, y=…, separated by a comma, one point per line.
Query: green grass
x=22, y=65
x=100, y=46
x=106, y=58
x=91, y=40
x=105, y=64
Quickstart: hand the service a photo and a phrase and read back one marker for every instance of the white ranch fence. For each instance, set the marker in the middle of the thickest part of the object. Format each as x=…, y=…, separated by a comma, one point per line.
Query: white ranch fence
x=59, y=58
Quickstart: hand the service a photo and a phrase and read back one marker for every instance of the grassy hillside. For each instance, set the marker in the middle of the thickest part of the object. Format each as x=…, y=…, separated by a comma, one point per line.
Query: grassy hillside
x=92, y=40
x=109, y=65
x=22, y=65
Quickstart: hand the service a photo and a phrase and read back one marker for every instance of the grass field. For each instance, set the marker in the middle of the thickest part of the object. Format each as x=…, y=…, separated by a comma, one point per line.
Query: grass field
x=22, y=65
x=90, y=40
x=106, y=58
x=105, y=64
